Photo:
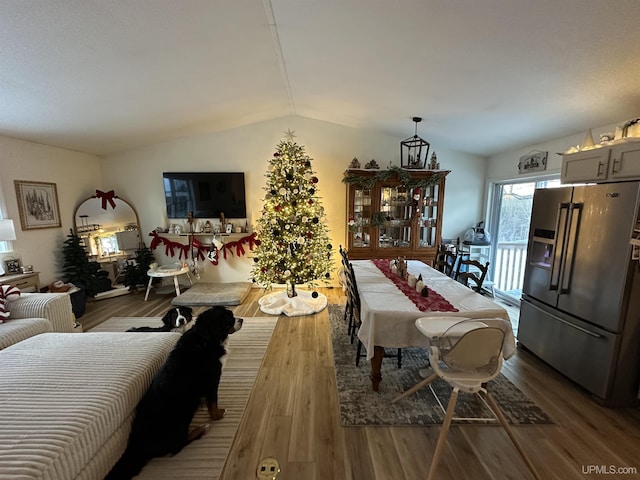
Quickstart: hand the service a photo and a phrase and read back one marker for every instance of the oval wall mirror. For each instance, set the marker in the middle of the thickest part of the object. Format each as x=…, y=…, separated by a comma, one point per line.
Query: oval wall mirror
x=109, y=225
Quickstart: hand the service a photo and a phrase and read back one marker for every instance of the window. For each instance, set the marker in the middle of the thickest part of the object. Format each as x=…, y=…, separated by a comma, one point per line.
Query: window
x=5, y=246
x=509, y=220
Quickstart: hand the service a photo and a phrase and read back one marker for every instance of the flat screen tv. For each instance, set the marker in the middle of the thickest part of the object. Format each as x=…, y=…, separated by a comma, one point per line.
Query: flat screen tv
x=206, y=194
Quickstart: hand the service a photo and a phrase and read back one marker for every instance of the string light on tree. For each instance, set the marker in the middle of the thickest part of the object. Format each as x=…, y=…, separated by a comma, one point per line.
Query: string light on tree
x=294, y=247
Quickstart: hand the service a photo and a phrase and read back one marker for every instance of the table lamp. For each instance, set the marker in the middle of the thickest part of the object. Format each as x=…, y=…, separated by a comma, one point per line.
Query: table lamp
x=7, y=232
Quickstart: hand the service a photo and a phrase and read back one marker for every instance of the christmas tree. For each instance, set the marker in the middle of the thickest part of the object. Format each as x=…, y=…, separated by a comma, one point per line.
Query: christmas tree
x=294, y=246
x=77, y=268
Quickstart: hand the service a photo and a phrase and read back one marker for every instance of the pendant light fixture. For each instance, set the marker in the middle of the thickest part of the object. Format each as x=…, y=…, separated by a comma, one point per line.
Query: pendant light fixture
x=414, y=150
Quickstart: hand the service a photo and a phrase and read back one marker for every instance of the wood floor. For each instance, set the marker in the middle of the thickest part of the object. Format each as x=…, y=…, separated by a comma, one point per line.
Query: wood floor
x=292, y=415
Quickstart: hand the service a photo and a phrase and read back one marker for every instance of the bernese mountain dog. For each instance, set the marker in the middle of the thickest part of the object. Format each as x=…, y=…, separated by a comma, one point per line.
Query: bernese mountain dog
x=175, y=320
x=161, y=425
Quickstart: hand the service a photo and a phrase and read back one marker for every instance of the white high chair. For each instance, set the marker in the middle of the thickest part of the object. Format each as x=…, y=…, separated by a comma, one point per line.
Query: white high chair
x=467, y=355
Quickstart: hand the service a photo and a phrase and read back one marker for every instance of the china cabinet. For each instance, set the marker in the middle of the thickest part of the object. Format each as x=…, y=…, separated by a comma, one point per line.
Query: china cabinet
x=395, y=212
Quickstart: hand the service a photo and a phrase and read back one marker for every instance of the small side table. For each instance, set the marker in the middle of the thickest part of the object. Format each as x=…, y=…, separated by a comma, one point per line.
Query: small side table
x=26, y=282
x=167, y=271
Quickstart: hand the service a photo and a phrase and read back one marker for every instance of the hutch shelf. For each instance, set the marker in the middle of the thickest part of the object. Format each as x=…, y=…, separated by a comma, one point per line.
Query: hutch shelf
x=394, y=212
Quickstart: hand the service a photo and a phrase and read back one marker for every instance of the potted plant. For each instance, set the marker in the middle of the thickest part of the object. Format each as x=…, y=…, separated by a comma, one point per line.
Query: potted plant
x=135, y=273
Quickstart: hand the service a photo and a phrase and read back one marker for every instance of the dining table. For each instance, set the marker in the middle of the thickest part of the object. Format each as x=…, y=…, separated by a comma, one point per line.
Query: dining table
x=390, y=306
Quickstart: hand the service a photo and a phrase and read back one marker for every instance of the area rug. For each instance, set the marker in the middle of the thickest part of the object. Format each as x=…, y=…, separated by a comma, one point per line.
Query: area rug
x=204, y=459
x=360, y=405
x=211, y=294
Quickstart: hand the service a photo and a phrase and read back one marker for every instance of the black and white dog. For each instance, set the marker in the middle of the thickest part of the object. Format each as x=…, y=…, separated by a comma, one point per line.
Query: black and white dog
x=192, y=372
x=175, y=319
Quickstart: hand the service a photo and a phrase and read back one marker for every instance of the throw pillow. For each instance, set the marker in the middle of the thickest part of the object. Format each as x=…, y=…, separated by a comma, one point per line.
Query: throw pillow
x=7, y=292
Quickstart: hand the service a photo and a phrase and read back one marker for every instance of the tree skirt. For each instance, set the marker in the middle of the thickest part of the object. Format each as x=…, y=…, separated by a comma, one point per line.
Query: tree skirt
x=278, y=303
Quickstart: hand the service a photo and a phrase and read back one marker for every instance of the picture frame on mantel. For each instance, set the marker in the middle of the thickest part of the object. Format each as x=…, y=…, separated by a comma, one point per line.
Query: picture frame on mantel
x=37, y=204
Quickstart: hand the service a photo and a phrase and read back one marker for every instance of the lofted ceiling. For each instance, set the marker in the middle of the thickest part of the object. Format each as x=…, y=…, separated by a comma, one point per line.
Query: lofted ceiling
x=487, y=76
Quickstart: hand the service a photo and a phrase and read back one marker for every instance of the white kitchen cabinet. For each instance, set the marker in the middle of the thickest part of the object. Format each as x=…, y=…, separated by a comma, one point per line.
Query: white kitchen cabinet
x=625, y=162
x=605, y=164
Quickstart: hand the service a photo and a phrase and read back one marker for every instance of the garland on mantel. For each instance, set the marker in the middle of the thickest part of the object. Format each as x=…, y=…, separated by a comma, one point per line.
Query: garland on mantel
x=202, y=251
x=404, y=175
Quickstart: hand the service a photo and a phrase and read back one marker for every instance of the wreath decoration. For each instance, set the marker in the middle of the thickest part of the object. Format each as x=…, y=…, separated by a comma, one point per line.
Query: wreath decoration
x=403, y=175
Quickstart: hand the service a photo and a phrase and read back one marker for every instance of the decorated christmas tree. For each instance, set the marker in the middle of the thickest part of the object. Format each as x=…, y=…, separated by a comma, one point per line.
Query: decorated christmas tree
x=294, y=246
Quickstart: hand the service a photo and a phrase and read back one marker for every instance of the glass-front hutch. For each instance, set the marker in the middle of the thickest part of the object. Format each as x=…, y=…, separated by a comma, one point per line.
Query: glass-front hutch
x=395, y=212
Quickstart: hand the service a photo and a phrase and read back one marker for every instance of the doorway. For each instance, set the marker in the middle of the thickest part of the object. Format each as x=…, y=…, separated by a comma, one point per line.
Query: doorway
x=509, y=219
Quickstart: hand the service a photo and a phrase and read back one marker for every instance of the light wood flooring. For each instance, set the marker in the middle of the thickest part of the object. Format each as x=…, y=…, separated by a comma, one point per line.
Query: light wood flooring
x=292, y=415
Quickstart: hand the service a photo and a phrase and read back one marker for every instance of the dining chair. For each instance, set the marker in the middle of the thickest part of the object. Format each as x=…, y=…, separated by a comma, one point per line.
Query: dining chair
x=344, y=280
x=467, y=356
x=445, y=262
x=471, y=273
x=357, y=321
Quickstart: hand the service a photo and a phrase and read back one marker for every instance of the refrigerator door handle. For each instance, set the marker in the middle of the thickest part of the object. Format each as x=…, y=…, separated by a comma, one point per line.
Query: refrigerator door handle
x=558, y=249
x=575, y=212
x=562, y=320
x=583, y=330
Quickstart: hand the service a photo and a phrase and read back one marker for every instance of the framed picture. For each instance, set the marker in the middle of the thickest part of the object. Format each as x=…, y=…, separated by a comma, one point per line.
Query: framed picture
x=38, y=204
x=533, y=162
x=12, y=266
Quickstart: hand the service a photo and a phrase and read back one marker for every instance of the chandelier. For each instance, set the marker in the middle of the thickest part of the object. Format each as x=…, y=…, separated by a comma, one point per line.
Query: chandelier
x=414, y=150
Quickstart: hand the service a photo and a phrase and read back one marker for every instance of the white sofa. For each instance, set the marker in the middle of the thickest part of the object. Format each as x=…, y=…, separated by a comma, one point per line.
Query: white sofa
x=68, y=400
x=35, y=313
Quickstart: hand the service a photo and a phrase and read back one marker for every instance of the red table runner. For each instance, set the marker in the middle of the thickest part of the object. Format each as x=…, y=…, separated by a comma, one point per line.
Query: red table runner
x=434, y=302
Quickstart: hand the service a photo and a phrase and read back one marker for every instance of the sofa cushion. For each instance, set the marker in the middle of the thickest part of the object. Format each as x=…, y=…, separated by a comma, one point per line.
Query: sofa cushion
x=64, y=395
x=55, y=307
x=19, y=329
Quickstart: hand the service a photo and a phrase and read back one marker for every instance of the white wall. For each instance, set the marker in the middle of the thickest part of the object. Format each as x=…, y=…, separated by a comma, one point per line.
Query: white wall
x=505, y=165
x=136, y=175
x=76, y=176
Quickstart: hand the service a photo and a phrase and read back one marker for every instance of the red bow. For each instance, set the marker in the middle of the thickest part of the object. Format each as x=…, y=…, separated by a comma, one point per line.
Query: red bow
x=106, y=197
x=157, y=240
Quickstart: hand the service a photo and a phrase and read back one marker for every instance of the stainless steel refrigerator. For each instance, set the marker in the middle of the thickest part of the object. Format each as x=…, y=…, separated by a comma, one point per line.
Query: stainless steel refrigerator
x=580, y=309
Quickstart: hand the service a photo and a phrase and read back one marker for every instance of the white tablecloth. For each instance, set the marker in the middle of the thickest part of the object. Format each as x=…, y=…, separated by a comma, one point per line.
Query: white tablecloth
x=388, y=316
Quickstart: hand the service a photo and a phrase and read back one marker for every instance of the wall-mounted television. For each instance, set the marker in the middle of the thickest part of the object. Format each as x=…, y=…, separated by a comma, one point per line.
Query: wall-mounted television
x=206, y=194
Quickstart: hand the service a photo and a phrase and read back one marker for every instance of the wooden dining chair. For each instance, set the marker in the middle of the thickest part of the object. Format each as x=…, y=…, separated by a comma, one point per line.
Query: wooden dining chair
x=445, y=262
x=471, y=273
x=344, y=279
x=357, y=321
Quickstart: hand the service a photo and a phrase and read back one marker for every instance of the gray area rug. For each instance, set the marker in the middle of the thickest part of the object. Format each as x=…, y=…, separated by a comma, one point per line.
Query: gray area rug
x=360, y=405
x=211, y=294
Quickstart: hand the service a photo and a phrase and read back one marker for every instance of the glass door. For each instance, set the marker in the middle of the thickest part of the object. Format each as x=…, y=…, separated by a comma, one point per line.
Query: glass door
x=360, y=221
x=428, y=217
x=509, y=220
x=396, y=207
